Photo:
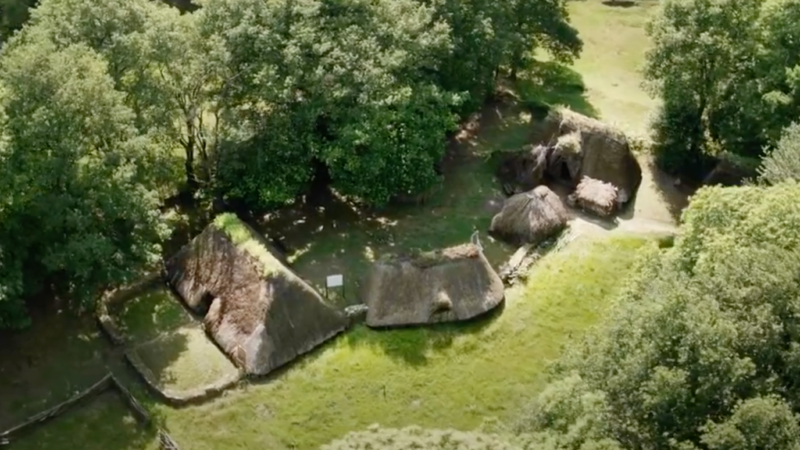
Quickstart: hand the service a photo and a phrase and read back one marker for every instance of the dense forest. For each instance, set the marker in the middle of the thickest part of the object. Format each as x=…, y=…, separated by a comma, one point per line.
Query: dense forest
x=107, y=108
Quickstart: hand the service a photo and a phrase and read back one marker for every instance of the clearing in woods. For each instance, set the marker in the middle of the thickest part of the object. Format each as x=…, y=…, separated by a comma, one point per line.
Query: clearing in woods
x=448, y=376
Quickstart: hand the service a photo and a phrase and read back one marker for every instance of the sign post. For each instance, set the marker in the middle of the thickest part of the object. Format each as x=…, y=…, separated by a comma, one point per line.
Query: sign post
x=334, y=281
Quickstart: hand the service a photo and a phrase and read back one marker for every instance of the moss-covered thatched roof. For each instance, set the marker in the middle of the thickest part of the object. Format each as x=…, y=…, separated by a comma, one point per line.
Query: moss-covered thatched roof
x=256, y=308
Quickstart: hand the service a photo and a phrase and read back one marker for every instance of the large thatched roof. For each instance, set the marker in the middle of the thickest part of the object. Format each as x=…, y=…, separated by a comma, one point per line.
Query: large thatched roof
x=530, y=217
x=259, y=311
x=590, y=148
x=454, y=284
x=595, y=196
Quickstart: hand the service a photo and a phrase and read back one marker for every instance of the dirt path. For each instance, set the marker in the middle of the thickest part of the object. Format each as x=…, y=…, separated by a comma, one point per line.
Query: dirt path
x=655, y=210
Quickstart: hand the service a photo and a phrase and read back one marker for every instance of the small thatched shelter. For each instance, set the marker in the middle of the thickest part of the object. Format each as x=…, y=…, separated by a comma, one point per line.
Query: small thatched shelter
x=259, y=312
x=448, y=285
x=595, y=196
x=530, y=217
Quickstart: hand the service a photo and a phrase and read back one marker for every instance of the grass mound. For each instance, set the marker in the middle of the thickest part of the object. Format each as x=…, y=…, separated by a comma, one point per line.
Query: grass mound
x=445, y=377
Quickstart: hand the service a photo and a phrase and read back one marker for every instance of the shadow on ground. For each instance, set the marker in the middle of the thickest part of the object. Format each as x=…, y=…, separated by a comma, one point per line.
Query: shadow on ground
x=47, y=363
x=413, y=345
x=620, y=3
x=548, y=84
x=101, y=423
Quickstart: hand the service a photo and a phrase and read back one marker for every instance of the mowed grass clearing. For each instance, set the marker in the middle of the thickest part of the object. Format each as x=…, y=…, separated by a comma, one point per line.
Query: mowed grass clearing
x=172, y=343
x=614, y=47
x=102, y=423
x=447, y=376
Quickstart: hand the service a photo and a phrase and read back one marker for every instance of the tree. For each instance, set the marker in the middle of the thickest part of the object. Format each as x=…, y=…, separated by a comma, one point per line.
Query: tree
x=727, y=73
x=333, y=87
x=171, y=73
x=78, y=211
x=756, y=423
x=783, y=162
x=699, y=49
x=702, y=349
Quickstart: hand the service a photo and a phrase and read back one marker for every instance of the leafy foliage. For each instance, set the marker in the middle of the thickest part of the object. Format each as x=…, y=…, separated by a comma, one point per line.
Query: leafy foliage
x=727, y=73
x=783, y=162
x=78, y=207
x=704, y=339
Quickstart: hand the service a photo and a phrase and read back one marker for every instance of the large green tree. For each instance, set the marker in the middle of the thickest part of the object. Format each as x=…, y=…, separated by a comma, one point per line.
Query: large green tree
x=337, y=85
x=703, y=349
x=78, y=209
x=727, y=72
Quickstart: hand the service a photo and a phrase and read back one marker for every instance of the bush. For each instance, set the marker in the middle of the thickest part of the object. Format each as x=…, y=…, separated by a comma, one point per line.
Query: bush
x=783, y=162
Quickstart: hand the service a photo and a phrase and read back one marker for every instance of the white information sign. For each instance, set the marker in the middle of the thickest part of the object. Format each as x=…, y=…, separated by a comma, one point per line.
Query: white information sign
x=335, y=281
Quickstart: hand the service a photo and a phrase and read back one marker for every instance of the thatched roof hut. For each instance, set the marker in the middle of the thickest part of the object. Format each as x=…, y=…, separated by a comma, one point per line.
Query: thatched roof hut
x=530, y=217
x=259, y=312
x=586, y=147
x=448, y=285
x=595, y=196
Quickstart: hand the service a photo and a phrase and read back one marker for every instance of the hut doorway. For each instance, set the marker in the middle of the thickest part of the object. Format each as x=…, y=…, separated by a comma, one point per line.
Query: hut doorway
x=206, y=300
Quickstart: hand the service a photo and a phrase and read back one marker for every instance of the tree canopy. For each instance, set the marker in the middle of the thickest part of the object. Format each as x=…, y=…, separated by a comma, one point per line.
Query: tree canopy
x=702, y=349
x=727, y=72
x=110, y=107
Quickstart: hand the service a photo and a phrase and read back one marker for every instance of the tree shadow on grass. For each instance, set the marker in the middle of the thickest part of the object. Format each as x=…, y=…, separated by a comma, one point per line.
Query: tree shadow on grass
x=102, y=422
x=620, y=3
x=45, y=364
x=548, y=83
x=413, y=345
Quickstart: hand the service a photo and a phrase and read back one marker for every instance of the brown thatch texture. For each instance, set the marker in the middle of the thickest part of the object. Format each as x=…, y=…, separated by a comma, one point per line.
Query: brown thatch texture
x=444, y=286
x=530, y=217
x=526, y=169
x=259, y=311
x=595, y=196
x=604, y=152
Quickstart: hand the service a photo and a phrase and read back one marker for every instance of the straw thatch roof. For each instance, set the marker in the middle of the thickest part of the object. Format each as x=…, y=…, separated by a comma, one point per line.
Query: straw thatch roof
x=259, y=312
x=448, y=285
x=589, y=148
x=595, y=196
x=526, y=169
x=530, y=217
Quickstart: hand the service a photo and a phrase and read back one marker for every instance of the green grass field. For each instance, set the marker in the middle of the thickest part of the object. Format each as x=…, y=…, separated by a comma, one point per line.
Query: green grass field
x=102, y=423
x=448, y=376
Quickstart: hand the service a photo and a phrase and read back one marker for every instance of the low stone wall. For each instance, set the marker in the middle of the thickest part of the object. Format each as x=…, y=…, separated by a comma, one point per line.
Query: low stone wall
x=113, y=297
x=179, y=398
x=107, y=382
